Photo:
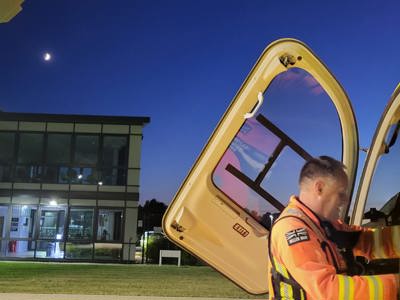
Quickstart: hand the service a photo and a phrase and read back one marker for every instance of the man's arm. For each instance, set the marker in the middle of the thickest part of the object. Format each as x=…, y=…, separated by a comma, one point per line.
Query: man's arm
x=310, y=266
x=380, y=242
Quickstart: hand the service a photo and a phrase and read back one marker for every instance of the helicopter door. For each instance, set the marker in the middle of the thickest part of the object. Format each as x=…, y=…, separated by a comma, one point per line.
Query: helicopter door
x=288, y=109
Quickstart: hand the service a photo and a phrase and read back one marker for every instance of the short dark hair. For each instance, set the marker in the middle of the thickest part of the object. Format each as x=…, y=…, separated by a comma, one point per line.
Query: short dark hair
x=322, y=166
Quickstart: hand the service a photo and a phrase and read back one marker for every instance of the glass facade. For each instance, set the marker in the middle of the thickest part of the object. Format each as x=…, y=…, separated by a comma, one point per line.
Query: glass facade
x=7, y=142
x=5, y=173
x=56, y=174
x=115, y=151
x=86, y=149
x=28, y=173
x=30, y=148
x=45, y=232
x=3, y=228
x=83, y=176
x=64, y=189
x=80, y=224
x=113, y=176
x=49, y=249
x=52, y=221
x=64, y=158
x=58, y=151
x=21, y=221
x=7, y=149
x=109, y=224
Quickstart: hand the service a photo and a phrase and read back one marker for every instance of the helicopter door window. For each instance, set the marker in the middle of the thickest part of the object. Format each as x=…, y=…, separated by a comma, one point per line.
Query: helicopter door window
x=249, y=162
x=296, y=120
x=284, y=172
x=242, y=163
x=299, y=106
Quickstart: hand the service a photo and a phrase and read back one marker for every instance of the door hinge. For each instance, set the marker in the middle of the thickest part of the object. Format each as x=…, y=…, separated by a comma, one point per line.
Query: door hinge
x=287, y=59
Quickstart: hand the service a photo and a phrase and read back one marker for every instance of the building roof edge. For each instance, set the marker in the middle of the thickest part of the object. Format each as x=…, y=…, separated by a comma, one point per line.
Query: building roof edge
x=73, y=118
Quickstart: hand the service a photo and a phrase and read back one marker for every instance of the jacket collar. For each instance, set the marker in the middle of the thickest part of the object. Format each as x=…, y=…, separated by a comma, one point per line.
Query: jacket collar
x=295, y=201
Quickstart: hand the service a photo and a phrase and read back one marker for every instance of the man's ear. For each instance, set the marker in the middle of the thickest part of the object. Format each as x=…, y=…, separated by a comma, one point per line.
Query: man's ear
x=319, y=187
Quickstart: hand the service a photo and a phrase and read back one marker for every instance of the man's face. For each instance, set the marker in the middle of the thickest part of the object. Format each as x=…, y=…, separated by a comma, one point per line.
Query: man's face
x=334, y=194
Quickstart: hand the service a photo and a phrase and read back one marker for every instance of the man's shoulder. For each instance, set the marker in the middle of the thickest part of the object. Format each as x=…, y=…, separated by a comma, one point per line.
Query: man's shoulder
x=288, y=222
x=293, y=211
x=291, y=229
x=291, y=215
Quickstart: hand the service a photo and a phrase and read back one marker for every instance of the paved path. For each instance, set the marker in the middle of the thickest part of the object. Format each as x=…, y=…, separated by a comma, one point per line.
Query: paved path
x=4, y=296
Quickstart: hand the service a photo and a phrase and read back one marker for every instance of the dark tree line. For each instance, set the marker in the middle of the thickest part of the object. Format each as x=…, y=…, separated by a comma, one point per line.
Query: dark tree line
x=151, y=214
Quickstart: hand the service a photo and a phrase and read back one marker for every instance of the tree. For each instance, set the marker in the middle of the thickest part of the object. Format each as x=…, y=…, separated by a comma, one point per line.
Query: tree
x=151, y=214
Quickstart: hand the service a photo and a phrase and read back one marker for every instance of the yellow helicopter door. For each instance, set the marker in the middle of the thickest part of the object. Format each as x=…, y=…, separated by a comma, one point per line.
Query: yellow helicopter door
x=378, y=197
x=289, y=108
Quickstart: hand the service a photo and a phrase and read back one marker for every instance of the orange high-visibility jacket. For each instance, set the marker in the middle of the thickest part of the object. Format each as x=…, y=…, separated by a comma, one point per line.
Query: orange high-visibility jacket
x=298, y=255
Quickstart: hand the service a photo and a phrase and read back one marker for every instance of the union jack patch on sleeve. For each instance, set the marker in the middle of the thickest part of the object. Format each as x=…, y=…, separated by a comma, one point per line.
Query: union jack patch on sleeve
x=297, y=236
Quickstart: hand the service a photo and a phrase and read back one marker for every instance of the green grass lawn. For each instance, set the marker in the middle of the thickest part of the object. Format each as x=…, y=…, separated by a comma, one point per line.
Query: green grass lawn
x=141, y=280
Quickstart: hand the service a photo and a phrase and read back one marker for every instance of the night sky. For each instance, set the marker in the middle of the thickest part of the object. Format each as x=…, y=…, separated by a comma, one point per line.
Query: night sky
x=181, y=63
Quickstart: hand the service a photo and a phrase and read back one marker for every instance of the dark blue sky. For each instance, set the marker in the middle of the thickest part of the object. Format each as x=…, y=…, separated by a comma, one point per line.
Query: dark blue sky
x=181, y=63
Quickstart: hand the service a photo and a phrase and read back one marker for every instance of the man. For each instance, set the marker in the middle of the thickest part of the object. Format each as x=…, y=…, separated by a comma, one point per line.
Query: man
x=305, y=240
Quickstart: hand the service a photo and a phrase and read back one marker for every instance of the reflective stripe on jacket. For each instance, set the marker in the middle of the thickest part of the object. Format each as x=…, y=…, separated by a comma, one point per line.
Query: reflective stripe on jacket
x=296, y=251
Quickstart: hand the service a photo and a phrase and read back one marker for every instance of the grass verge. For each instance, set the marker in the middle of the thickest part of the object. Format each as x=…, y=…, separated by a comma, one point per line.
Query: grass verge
x=140, y=280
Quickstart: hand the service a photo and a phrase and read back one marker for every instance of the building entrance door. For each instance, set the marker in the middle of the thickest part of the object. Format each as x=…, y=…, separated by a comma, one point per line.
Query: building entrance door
x=51, y=223
x=51, y=232
x=31, y=244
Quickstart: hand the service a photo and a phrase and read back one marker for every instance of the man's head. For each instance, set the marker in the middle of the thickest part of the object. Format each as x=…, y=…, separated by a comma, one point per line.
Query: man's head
x=324, y=187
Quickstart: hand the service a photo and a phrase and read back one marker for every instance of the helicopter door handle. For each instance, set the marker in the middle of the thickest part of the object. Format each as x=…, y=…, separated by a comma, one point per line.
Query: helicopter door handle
x=260, y=98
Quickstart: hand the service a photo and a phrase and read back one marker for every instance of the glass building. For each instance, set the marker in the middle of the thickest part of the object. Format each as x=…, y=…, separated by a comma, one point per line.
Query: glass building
x=69, y=186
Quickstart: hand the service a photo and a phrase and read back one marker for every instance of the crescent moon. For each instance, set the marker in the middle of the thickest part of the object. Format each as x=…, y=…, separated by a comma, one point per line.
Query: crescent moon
x=47, y=56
